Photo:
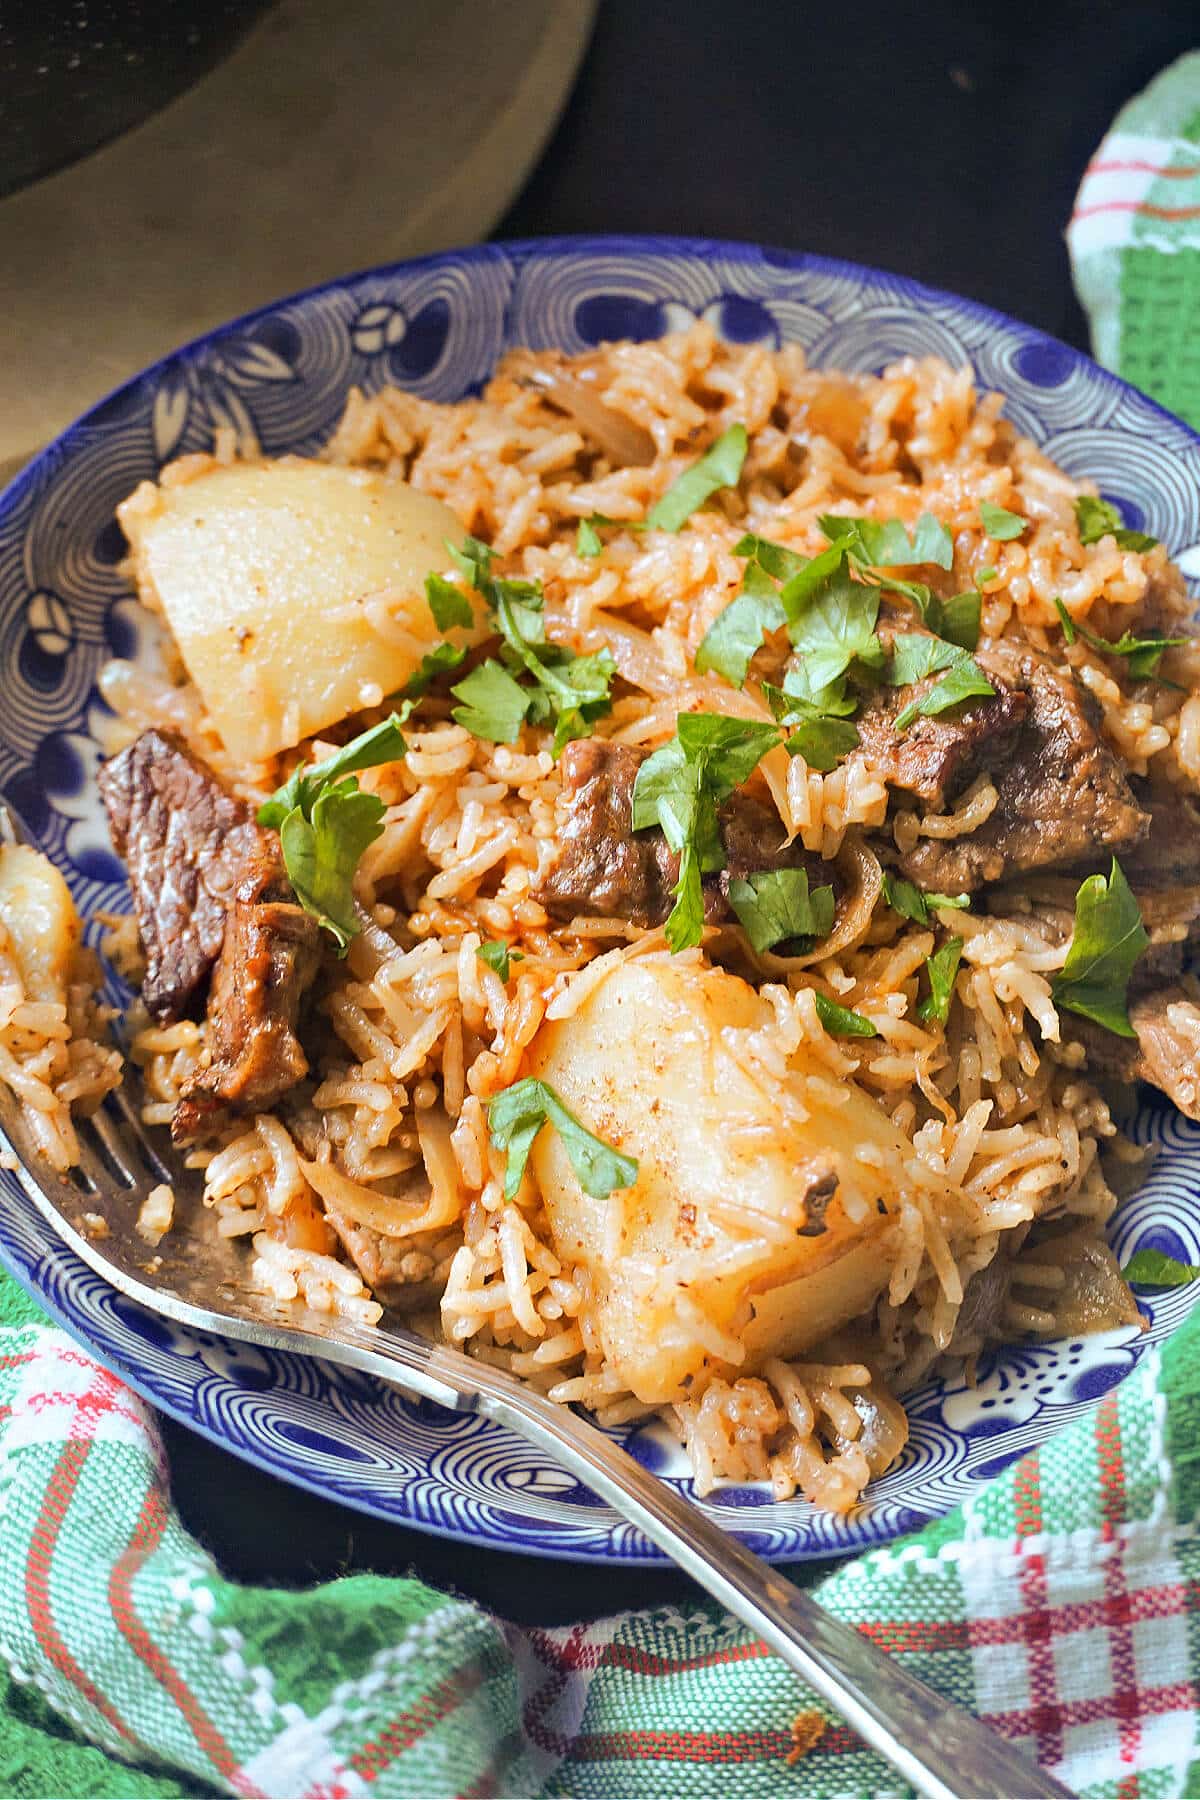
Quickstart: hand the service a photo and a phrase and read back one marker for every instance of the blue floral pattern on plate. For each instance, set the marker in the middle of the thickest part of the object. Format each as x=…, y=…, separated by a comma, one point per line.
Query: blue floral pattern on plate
x=279, y=378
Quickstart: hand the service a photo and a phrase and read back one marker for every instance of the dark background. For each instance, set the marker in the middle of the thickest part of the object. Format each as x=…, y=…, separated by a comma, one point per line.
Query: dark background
x=945, y=141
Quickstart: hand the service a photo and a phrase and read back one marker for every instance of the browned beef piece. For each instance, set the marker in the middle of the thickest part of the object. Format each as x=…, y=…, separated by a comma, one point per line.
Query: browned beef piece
x=211, y=896
x=607, y=870
x=266, y=966
x=187, y=843
x=1165, y=1052
x=1062, y=795
x=936, y=758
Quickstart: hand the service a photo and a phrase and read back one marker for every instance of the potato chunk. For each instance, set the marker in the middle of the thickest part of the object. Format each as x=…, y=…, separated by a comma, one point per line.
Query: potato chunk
x=38, y=915
x=295, y=589
x=763, y=1215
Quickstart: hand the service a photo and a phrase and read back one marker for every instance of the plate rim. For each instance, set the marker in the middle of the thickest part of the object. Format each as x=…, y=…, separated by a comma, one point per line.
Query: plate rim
x=905, y=290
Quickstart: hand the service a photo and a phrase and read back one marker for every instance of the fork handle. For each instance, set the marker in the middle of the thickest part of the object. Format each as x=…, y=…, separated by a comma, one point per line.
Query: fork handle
x=945, y=1752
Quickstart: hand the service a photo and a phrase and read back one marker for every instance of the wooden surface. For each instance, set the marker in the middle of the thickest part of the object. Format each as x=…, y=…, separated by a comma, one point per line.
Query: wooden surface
x=337, y=134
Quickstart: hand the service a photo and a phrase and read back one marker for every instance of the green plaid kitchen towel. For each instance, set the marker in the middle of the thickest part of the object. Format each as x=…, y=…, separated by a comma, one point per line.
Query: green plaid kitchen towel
x=1063, y=1604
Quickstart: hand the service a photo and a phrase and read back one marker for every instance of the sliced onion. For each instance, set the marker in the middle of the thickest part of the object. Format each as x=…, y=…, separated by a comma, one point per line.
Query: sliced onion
x=390, y=1215
x=570, y=390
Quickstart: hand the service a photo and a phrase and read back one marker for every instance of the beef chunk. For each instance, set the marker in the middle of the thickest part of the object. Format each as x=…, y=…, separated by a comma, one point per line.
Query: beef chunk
x=1170, y=851
x=607, y=870
x=936, y=758
x=1061, y=793
x=1166, y=1051
x=212, y=898
x=266, y=966
x=187, y=843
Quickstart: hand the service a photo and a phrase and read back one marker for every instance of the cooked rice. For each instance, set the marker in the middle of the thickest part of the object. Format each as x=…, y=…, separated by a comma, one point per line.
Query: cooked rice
x=417, y=1033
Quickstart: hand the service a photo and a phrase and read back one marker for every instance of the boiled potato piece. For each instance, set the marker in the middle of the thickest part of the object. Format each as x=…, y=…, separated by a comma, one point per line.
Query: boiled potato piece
x=39, y=917
x=706, y=1263
x=271, y=577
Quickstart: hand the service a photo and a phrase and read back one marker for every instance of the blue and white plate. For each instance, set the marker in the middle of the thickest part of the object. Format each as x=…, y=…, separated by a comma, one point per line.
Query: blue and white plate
x=437, y=327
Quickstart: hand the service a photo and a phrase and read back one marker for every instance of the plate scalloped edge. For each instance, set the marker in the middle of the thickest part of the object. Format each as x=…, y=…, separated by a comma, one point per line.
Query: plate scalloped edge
x=437, y=327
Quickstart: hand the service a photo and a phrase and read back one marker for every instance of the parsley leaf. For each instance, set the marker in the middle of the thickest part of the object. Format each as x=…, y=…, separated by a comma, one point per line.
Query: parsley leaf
x=1154, y=1268
x=448, y=604
x=917, y=655
x=493, y=704
x=325, y=822
x=999, y=523
x=958, y=619
x=382, y=743
x=839, y=1021
x=321, y=851
x=1144, y=654
x=570, y=690
x=517, y=1114
x=942, y=967
x=474, y=559
x=774, y=906
x=833, y=624
x=1100, y=518
x=738, y=630
x=587, y=539
x=719, y=467
x=438, y=661
x=885, y=544
x=1108, y=939
x=679, y=789
x=906, y=898
x=498, y=956
x=774, y=558
x=823, y=741
x=824, y=733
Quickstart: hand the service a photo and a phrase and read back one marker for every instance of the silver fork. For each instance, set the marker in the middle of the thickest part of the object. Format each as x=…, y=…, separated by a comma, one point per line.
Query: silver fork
x=199, y=1279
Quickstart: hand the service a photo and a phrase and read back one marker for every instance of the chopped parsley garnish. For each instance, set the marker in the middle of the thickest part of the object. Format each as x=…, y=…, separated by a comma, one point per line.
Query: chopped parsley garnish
x=497, y=955
x=438, y=661
x=988, y=574
x=1108, y=939
x=517, y=1114
x=906, y=898
x=999, y=523
x=494, y=706
x=941, y=968
x=823, y=741
x=448, y=604
x=885, y=544
x=915, y=655
x=823, y=731
x=778, y=562
x=1144, y=654
x=325, y=822
x=738, y=630
x=572, y=691
x=957, y=619
x=839, y=1021
x=832, y=623
x=1154, y=1268
x=588, y=541
x=474, y=559
x=774, y=906
x=679, y=789
x=719, y=467
x=1100, y=518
